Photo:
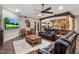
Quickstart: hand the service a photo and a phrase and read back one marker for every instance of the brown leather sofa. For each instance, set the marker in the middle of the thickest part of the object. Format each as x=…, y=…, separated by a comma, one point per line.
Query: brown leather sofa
x=64, y=45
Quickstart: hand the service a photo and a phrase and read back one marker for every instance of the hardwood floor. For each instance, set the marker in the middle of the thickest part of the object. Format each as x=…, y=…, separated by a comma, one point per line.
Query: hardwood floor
x=7, y=47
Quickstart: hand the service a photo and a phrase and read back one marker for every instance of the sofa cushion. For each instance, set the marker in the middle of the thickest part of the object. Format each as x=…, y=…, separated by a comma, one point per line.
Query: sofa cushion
x=71, y=39
x=49, y=47
x=61, y=40
x=47, y=32
x=69, y=34
x=60, y=46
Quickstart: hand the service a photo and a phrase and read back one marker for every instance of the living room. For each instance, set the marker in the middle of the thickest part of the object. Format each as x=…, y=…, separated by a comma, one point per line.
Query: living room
x=39, y=29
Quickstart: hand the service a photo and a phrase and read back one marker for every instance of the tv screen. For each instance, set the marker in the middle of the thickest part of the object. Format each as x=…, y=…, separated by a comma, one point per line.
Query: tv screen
x=11, y=23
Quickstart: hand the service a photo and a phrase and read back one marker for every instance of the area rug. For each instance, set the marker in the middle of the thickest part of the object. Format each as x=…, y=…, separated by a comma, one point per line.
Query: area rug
x=22, y=47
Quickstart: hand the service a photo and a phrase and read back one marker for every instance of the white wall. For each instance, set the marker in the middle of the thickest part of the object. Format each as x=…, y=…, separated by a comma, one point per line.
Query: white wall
x=9, y=34
x=22, y=22
x=23, y=25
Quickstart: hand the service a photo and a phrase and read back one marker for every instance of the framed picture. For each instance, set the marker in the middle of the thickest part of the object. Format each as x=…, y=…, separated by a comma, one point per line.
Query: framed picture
x=27, y=23
x=11, y=23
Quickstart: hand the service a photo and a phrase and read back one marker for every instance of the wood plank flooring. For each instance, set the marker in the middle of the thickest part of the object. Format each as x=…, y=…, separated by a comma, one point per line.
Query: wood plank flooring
x=7, y=47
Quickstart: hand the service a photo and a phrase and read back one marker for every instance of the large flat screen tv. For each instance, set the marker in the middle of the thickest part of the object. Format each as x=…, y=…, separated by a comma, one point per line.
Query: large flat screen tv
x=11, y=23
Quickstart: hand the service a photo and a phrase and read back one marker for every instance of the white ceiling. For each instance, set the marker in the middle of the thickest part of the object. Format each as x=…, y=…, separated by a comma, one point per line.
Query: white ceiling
x=30, y=9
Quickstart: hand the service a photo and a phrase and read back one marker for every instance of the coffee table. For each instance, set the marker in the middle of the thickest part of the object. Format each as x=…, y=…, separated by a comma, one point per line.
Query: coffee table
x=33, y=39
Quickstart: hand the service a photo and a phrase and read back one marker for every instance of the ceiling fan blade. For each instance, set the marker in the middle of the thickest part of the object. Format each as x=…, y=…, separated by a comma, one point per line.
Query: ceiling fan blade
x=46, y=10
x=49, y=12
x=37, y=10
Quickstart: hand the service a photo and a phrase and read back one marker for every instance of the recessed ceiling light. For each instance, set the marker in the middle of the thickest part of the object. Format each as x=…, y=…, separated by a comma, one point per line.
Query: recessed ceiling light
x=17, y=10
x=40, y=15
x=61, y=7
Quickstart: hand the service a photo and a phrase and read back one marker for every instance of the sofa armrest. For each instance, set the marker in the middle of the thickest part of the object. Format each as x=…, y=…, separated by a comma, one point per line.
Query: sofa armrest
x=42, y=51
x=46, y=50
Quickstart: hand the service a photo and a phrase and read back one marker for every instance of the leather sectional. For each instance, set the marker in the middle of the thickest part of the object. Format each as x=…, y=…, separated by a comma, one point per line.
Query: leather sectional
x=63, y=45
x=51, y=34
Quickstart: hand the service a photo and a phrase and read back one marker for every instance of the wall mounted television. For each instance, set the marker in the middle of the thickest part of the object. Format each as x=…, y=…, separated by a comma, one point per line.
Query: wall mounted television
x=11, y=23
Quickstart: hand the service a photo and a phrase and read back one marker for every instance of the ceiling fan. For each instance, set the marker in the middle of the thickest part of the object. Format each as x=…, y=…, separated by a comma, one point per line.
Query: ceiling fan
x=45, y=10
